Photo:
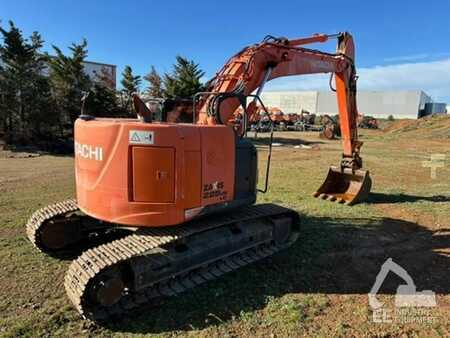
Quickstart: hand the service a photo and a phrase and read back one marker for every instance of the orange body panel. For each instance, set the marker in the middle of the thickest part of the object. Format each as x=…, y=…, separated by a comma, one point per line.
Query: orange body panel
x=193, y=179
x=217, y=165
x=163, y=176
x=155, y=168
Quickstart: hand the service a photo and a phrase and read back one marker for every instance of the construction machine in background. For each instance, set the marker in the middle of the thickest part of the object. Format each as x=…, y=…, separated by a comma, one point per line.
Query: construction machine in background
x=367, y=122
x=330, y=127
x=263, y=125
x=290, y=119
x=278, y=119
x=186, y=191
x=306, y=122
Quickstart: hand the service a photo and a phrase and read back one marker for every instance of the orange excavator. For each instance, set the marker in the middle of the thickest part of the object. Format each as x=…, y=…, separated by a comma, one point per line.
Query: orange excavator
x=184, y=192
x=277, y=117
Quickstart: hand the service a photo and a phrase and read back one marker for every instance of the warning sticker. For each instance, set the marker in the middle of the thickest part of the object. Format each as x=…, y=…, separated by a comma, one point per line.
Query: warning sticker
x=140, y=137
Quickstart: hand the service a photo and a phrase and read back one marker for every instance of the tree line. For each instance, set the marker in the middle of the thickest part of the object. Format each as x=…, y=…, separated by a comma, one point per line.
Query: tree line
x=40, y=95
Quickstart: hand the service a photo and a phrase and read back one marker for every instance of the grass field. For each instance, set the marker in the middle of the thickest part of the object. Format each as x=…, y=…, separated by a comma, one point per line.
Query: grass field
x=317, y=287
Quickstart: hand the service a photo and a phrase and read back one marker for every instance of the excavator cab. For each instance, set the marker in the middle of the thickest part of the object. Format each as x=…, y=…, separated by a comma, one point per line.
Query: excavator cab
x=165, y=110
x=345, y=186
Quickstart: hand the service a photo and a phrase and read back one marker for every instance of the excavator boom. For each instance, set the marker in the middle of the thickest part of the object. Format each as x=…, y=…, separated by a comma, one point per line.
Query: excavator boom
x=252, y=67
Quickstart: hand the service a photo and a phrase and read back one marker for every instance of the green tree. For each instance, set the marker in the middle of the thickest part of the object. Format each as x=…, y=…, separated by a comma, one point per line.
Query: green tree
x=130, y=85
x=69, y=81
x=184, y=80
x=102, y=100
x=155, y=86
x=24, y=89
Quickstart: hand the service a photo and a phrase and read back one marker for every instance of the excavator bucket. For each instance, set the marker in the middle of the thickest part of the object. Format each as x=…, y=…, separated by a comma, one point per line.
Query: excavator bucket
x=345, y=186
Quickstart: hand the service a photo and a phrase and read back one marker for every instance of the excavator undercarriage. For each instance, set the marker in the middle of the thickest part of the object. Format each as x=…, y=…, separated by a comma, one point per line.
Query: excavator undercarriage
x=121, y=275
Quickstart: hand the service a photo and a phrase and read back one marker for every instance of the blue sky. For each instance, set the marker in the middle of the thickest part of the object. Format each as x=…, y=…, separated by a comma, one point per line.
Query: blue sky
x=400, y=44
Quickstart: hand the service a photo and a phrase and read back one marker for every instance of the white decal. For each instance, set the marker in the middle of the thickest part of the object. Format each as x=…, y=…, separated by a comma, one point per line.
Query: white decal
x=407, y=296
x=88, y=151
x=190, y=213
x=140, y=137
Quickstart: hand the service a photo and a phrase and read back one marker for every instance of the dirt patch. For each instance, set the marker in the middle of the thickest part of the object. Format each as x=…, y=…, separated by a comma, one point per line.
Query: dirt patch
x=431, y=126
x=426, y=220
x=398, y=125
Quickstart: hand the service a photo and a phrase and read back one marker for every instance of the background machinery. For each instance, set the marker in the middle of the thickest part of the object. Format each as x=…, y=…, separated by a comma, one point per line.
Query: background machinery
x=330, y=127
x=278, y=118
x=367, y=122
x=185, y=191
x=306, y=122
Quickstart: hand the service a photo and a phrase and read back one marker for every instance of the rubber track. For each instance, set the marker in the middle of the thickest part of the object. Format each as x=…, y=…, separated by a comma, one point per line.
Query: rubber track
x=93, y=261
x=40, y=216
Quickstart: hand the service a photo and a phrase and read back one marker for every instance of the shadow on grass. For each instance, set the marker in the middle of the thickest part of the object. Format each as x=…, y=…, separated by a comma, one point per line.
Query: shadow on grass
x=380, y=198
x=332, y=256
x=264, y=141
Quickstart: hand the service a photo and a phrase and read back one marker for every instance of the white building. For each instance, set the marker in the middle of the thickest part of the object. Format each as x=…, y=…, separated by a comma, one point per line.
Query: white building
x=381, y=104
x=92, y=69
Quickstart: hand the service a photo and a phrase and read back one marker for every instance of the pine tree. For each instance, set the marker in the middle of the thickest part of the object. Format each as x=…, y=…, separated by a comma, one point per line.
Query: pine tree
x=185, y=79
x=155, y=88
x=130, y=85
x=69, y=81
x=102, y=102
x=3, y=98
x=23, y=86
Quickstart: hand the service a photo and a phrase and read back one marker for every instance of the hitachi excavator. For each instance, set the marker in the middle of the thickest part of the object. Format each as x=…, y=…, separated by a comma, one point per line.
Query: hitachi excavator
x=185, y=191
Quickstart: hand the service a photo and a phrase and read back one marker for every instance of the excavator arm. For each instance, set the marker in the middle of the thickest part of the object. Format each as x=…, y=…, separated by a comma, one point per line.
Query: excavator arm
x=252, y=67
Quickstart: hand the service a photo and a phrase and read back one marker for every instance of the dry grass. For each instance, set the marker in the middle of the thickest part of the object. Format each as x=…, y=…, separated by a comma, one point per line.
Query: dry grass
x=318, y=287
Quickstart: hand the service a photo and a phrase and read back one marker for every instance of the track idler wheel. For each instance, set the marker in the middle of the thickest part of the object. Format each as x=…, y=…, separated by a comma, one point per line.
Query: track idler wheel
x=108, y=288
x=345, y=186
x=60, y=233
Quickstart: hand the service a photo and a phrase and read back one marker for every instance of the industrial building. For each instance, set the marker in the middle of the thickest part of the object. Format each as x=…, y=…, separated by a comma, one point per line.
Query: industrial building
x=94, y=70
x=380, y=104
